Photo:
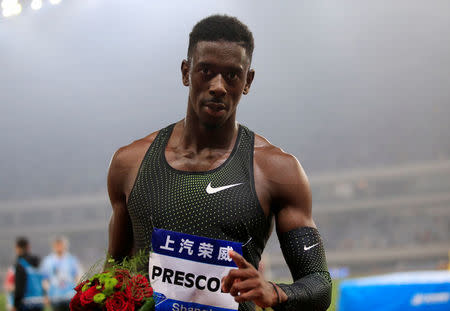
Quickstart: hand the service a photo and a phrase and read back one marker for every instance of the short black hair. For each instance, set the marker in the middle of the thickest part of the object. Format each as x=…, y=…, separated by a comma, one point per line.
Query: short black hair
x=222, y=27
x=22, y=242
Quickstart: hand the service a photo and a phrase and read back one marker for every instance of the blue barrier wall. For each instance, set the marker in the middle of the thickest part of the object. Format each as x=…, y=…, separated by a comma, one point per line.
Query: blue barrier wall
x=420, y=290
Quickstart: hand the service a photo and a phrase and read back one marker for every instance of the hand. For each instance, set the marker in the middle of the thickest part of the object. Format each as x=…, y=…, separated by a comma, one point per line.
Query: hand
x=248, y=284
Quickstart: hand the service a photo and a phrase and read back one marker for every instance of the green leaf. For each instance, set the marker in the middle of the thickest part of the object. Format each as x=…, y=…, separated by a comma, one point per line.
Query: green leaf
x=99, y=273
x=149, y=305
x=110, y=283
x=108, y=291
x=99, y=298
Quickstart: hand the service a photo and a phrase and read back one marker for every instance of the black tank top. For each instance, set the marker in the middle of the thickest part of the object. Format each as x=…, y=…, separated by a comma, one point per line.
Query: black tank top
x=200, y=203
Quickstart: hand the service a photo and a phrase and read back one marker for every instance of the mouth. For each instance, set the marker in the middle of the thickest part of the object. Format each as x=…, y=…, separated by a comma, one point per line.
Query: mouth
x=215, y=109
x=215, y=106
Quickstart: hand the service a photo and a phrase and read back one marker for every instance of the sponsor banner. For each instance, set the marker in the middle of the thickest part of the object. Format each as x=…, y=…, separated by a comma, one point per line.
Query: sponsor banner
x=195, y=248
x=186, y=271
x=190, y=281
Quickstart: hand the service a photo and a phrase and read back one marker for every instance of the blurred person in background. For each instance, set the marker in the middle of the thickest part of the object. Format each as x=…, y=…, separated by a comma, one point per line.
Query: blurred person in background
x=61, y=272
x=28, y=291
x=8, y=286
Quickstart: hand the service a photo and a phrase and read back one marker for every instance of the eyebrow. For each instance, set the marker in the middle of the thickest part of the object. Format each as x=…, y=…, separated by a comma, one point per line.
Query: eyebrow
x=228, y=67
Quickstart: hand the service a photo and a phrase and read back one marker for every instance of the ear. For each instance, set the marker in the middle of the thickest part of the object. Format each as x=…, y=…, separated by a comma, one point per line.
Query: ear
x=185, y=72
x=249, y=80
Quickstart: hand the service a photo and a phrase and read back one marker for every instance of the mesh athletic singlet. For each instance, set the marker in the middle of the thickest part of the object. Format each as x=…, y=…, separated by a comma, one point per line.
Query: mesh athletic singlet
x=177, y=200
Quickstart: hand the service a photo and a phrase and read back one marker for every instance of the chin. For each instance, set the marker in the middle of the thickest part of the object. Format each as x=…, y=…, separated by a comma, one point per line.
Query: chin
x=212, y=125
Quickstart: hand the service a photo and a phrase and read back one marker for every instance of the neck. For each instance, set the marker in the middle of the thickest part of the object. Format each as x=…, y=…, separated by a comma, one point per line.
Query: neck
x=198, y=136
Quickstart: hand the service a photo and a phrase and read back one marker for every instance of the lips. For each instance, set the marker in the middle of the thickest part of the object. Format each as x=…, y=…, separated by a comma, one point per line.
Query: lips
x=214, y=109
x=214, y=106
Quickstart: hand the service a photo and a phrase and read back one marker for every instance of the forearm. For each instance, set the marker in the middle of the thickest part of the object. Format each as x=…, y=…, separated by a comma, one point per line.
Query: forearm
x=312, y=292
x=305, y=256
x=120, y=244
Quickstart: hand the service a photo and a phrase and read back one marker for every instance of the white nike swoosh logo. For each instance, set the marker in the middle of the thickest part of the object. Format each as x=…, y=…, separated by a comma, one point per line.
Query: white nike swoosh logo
x=309, y=247
x=211, y=190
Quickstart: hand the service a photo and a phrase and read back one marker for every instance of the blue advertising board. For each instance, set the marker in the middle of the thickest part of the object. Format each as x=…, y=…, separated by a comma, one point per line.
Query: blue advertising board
x=419, y=290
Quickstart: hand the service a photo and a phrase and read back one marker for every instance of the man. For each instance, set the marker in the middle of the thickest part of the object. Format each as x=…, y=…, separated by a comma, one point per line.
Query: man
x=28, y=293
x=207, y=175
x=61, y=272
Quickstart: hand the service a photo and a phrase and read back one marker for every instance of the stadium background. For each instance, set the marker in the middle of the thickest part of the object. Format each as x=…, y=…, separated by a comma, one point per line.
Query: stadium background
x=359, y=92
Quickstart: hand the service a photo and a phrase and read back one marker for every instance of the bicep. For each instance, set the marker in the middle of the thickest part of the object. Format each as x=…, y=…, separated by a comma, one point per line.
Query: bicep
x=293, y=198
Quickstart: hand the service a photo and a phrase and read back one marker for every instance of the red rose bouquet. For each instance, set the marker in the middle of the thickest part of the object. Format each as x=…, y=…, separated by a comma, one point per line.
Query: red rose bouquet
x=118, y=289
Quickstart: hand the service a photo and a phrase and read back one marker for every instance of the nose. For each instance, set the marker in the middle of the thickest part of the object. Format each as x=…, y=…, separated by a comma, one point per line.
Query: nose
x=217, y=87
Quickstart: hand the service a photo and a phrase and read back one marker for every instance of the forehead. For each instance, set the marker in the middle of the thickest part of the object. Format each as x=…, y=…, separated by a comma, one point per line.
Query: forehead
x=220, y=53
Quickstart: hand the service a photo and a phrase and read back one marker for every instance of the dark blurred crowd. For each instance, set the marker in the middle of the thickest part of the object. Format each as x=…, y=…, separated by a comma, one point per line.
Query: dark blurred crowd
x=32, y=284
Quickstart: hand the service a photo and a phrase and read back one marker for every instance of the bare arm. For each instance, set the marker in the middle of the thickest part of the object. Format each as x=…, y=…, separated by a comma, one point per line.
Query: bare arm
x=122, y=174
x=302, y=246
x=286, y=190
x=120, y=229
x=300, y=242
x=291, y=195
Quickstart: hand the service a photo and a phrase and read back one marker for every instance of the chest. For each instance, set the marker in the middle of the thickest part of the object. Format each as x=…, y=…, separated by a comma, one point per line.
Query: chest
x=218, y=203
x=204, y=161
x=216, y=198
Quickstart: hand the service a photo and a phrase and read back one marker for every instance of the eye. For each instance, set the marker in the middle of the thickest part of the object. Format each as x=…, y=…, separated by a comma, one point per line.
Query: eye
x=232, y=75
x=205, y=71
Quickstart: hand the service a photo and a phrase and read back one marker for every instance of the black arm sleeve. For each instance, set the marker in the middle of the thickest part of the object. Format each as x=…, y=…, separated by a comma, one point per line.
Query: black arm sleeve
x=305, y=256
x=20, y=279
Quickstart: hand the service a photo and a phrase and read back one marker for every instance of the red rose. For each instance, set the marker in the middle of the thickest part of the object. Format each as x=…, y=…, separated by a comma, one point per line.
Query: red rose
x=148, y=292
x=121, y=276
x=87, y=296
x=80, y=286
x=119, y=302
x=75, y=303
x=140, y=279
x=135, y=293
x=120, y=279
x=123, y=272
x=140, y=285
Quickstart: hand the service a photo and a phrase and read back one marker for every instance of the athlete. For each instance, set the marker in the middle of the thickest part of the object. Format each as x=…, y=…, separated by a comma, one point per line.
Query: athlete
x=210, y=176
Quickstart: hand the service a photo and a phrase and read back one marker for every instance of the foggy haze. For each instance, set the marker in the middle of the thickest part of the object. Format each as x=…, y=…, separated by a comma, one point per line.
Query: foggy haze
x=341, y=85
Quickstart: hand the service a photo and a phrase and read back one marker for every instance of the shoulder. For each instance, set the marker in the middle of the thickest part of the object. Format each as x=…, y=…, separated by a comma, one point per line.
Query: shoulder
x=277, y=165
x=129, y=154
x=36, y=259
x=18, y=268
x=73, y=259
x=125, y=164
x=47, y=263
x=286, y=184
x=48, y=259
x=33, y=260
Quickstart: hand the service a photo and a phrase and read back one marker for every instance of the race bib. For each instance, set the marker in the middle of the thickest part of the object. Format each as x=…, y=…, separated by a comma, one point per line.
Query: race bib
x=186, y=271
